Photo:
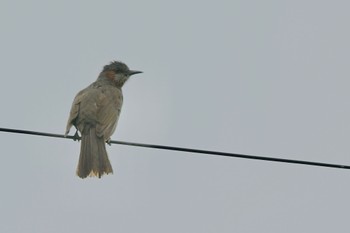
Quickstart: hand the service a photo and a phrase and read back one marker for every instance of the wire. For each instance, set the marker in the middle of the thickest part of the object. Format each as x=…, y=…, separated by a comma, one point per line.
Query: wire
x=226, y=154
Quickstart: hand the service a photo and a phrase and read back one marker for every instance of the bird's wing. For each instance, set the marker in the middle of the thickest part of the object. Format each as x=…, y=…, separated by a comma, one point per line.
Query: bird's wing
x=75, y=109
x=109, y=106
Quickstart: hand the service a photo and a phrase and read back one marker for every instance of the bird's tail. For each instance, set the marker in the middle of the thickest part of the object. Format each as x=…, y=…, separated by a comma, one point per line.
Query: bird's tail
x=93, y=160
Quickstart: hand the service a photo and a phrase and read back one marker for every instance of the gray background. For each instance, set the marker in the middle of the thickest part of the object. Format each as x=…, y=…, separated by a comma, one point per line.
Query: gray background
x=268, y=78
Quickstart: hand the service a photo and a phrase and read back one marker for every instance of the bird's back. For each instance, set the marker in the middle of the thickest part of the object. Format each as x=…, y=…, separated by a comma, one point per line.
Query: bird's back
x=98, y=106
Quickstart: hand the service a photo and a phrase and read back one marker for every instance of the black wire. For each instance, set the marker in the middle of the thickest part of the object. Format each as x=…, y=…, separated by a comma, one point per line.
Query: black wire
x=187, y=150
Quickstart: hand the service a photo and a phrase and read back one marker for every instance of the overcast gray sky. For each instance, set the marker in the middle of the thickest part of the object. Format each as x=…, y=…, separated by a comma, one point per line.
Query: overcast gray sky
x=268, y=78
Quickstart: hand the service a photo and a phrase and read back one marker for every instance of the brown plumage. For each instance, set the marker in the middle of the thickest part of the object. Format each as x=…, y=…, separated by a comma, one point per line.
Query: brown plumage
x=95, y=112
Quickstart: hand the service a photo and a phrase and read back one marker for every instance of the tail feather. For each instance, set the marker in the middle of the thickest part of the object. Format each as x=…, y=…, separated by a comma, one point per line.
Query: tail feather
x=93, y=160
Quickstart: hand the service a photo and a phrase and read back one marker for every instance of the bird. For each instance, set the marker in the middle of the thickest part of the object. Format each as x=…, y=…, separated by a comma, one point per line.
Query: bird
x=94, y=113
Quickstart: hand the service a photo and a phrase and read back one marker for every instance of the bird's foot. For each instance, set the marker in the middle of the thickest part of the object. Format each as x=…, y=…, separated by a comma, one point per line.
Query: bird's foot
x=109, y=142
x=76, y=136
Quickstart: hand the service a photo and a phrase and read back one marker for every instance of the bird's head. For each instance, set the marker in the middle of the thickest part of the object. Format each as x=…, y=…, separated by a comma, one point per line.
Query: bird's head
x=119, y=72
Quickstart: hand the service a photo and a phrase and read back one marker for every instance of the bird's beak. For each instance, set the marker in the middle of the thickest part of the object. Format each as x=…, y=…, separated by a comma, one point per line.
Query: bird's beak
x=132, y=72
